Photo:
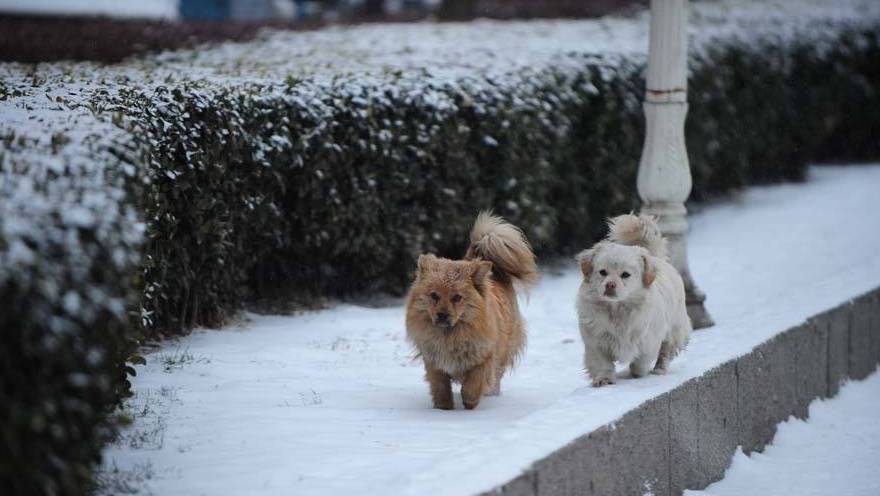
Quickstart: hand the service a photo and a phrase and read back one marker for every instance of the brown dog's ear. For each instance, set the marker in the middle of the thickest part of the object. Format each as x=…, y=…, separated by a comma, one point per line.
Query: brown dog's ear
x=650, y=272
x=426, y=261
x=481, y=271
x=585, y=260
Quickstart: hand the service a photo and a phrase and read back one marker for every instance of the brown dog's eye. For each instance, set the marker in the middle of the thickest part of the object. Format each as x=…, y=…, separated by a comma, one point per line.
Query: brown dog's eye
x=435, y=296
x=603, y=272
x=456, y=298
x=624, y=275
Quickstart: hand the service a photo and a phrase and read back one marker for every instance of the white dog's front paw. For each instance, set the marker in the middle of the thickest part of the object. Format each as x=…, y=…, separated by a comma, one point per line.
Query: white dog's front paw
x=659, y=371
x=603, y=381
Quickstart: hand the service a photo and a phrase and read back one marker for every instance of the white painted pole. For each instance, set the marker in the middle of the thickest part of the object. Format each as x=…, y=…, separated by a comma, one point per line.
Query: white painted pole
x=664, y=180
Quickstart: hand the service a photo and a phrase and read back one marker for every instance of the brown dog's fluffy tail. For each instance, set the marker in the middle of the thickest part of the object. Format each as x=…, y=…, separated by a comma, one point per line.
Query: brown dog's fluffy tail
x=505, y=246
x=638, y=230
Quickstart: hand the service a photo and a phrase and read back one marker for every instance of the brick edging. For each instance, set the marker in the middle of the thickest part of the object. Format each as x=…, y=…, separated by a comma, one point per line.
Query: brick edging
x=685, y=438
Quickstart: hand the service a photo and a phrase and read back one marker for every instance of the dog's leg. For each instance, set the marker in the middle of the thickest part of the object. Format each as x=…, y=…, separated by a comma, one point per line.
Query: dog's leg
x=441, y=388
x=641, y=365
x=474, y=384
x=493, y=381
x=663, y=359
x=600, y=366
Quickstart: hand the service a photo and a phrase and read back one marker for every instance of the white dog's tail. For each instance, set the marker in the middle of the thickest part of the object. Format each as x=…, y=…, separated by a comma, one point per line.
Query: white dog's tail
x=638, y=230
x=505, y=246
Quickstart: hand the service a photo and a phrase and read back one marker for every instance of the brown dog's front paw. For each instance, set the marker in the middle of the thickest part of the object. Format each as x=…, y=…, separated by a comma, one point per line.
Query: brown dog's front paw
x=604, y=381
x=470, y=401
x=444, y=405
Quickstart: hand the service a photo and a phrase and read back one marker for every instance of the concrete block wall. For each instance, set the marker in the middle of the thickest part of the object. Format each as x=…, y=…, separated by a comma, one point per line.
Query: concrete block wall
x=685, y=438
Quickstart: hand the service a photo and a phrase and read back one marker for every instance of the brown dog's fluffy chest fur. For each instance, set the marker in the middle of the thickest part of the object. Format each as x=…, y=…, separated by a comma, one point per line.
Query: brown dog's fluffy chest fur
x=485, y=335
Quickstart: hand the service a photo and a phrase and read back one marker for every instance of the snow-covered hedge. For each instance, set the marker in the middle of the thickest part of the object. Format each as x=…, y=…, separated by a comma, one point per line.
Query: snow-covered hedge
x=69, y=239
x=305, y=192
x=760, y=109
x=314, y=187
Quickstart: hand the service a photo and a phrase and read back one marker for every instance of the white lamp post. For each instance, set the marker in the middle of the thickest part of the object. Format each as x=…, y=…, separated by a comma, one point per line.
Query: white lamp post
x=664, y=180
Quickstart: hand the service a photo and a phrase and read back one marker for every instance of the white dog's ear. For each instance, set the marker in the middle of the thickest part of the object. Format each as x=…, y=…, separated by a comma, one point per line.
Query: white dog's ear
x=649, y=271
x=585, y=260
x=426, y=261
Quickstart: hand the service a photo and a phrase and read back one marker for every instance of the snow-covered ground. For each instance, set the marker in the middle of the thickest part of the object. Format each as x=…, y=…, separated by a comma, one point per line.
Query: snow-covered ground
x=835, y=451
x=332, y=402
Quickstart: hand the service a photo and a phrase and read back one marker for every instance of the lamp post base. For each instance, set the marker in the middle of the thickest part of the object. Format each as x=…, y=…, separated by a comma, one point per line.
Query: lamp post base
x=672, y=221
x=694, y=298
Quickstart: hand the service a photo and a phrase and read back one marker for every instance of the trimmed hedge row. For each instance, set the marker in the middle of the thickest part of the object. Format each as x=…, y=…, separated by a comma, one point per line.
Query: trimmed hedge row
x=329, y=189
x=306, y=195
x=762, y=110
x=69, y=243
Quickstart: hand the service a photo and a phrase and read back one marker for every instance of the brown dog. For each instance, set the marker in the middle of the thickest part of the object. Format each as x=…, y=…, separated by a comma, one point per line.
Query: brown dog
x=463, y=317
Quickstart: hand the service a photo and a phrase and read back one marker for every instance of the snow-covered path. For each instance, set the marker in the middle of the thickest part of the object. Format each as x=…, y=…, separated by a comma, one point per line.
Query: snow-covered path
x=835, y=451
x=331, y=402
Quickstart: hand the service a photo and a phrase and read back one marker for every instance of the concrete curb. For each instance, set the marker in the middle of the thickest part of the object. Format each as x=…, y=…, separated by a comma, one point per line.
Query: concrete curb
x=685, y=438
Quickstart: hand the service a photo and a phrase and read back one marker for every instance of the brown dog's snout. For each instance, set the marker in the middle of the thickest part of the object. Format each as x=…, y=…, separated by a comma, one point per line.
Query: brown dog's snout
x=443, y=317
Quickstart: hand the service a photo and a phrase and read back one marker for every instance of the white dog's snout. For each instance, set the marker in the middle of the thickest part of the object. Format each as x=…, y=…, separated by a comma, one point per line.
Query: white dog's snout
x=610, y=287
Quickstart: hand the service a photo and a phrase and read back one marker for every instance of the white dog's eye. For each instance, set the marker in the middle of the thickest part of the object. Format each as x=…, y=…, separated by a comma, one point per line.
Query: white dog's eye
x=624, y=275
x=603, y=272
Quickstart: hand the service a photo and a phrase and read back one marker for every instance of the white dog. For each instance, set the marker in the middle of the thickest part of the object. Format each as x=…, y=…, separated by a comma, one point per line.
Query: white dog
x=631, y=304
